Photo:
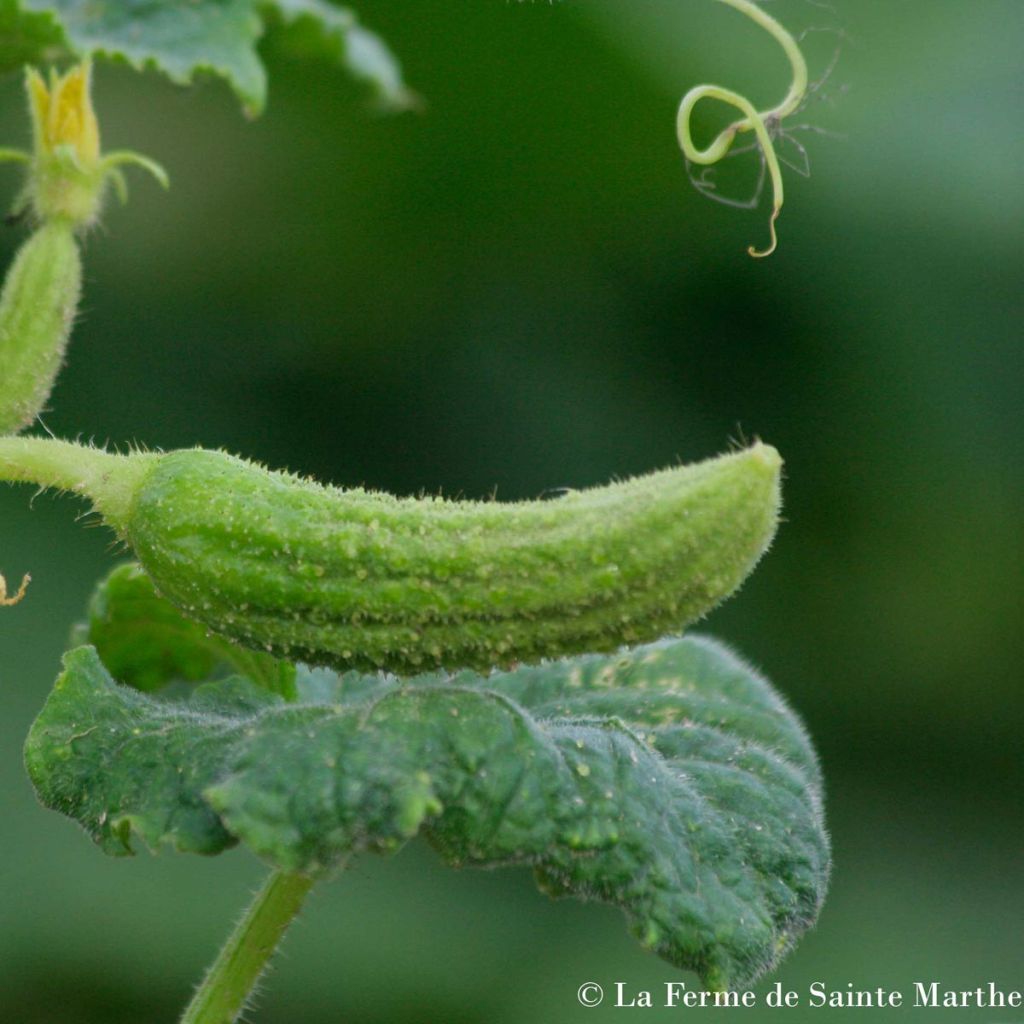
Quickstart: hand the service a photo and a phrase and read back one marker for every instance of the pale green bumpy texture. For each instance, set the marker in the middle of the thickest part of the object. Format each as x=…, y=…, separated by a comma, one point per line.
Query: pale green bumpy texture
x=357, y=579
x=668, y=780
x=37, y=309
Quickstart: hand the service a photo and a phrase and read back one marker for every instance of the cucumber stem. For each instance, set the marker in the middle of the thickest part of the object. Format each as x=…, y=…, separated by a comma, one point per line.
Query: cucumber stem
x=226, y=989
x=107, y=479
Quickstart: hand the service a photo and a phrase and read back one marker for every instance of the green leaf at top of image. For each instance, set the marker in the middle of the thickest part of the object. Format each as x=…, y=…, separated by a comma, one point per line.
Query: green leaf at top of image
x=182, y=39
x=146, y=643
x=26, y=35
x=668, y=780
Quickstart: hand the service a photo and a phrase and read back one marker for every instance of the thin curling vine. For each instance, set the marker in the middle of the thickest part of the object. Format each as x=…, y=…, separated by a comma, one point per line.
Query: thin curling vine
x=7, y=601
x=761, y=123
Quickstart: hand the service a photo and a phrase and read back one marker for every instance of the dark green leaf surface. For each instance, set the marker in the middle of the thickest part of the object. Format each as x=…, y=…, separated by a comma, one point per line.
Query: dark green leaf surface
x=182, y=39
x=146, y=643
x=668, y=780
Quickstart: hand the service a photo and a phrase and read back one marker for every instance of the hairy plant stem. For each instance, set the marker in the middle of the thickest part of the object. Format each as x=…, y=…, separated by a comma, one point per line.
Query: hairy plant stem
x=66, y=466
x=81, y=469
x=756, y=121
x=229, y=983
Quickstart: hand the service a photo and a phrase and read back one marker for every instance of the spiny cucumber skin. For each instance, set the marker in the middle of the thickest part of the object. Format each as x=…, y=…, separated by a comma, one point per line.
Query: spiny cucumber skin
x=356, y=579
x=37, y=308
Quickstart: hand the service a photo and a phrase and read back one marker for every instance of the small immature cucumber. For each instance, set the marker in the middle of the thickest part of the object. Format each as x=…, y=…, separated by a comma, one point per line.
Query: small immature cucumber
x=37, y=308
x=357, y=579
x=67, y=179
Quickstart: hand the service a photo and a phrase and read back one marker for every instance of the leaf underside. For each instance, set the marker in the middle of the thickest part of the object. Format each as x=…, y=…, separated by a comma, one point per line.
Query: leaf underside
x=219, y=37
x=669, y=779
x=147, y=644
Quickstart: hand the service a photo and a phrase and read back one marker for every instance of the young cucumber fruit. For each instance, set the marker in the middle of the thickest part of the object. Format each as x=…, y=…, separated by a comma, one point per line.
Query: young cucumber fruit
x=37, y=308
x=357, y=579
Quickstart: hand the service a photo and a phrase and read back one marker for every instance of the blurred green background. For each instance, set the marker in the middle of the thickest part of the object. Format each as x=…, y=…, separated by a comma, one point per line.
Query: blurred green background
x=517, y=289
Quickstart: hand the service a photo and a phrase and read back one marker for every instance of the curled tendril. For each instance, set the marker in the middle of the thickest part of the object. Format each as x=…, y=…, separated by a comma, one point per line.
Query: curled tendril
x=5, y=601
x=753, y=120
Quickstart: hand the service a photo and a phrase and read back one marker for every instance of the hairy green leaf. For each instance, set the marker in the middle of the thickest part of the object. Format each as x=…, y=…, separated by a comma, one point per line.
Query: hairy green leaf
x=183, y=39
x=145, y=642
x=669, y=780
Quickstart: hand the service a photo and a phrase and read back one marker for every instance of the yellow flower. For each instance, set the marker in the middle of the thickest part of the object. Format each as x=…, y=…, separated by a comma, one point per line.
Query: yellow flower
x=62, y=115
x=67, y=173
